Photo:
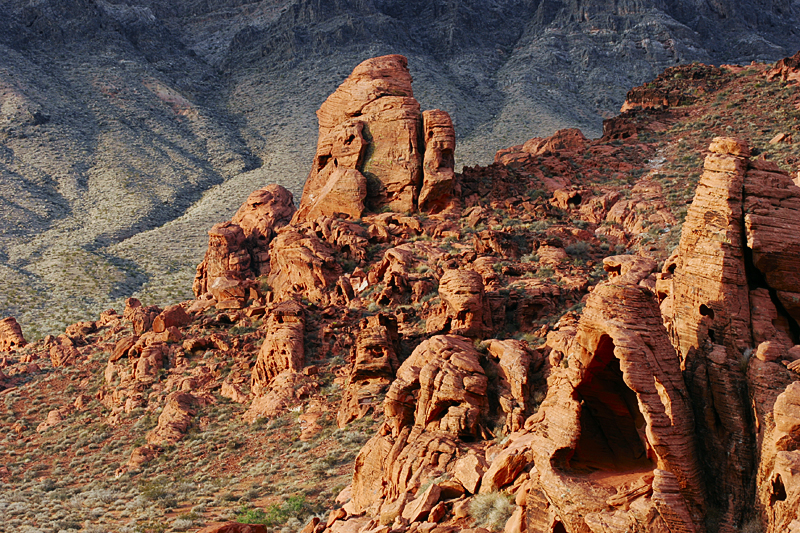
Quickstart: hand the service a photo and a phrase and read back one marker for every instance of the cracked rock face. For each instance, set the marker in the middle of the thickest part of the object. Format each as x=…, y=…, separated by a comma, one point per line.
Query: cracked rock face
x=238, y=250
x=377, y=150
x=437, y=399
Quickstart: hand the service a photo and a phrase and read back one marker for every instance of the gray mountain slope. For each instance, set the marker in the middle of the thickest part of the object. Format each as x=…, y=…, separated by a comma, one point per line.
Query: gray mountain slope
x=128, y=128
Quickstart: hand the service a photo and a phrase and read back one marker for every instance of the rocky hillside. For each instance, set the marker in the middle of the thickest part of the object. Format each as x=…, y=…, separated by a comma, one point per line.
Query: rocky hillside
x=129, y=128
x=584, y=336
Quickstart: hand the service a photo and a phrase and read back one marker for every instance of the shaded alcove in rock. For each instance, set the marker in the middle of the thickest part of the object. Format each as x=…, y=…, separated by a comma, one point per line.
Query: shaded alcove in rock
x=612, y=434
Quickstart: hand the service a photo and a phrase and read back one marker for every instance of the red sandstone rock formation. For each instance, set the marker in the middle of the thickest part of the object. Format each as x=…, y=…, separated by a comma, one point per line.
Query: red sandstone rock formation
x=438, y=397
x=616, y=405
x=174, y=420
x=282, y=349
x=787, y=69
x=375, y=362
x=515, y=365
x=260, y=216
x=439, y=162
x=10, y=334
x=302, y=264
x=238, y=250
x=464, y=308
x=369, y=154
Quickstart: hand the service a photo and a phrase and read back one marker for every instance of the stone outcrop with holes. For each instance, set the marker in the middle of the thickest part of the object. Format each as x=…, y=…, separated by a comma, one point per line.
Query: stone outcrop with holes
x=283, y=347
x=728, y=292
x=10, y=334
x=374, y=363
x=616, y=403
x=438, y=168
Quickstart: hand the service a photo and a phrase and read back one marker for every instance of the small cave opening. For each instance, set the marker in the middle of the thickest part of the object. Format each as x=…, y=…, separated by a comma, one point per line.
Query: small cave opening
x=777, y=490
x=558, y=527
x=612, y=434
x=575, y=200
x=706, y=311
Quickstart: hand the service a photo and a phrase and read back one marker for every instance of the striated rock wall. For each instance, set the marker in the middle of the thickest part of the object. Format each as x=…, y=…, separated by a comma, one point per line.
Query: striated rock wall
x=616, y=404
x=376, y=150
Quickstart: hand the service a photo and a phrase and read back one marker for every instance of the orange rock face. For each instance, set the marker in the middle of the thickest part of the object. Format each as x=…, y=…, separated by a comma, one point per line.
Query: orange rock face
x=238, y=250
x=10, y=334
x=282, y=349
x=375, y=362
x=616, y=404
x=439, y=160
x=369, y=153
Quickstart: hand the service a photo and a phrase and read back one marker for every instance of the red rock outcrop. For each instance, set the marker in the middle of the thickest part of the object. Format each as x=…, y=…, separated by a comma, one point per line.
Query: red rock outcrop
x=677, y=85
x=369, y=153
x=282, y=349
x=238, y=250
x=438, y=397
x=438, y=165
x=302, y=264
x=260, y=216
x=173, y=316
x=515, y=366
x=772, y=207
x=10, y=334
x=374, y=363
x=174, y=420
x=464, y=308
x=786, y=69
x=566, y=140
x=616, y=430
x=709, y=306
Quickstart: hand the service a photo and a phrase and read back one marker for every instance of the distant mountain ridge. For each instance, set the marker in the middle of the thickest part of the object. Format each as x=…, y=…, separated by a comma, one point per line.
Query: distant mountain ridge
x=128, y=128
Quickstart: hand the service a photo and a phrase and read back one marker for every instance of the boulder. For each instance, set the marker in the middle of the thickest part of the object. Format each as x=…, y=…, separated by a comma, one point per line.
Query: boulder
x=375, y=361
x=10, y=334
x=174, y=420
x=438, y=167
x=173, y=316
x=283, y=348
x=469, y=471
